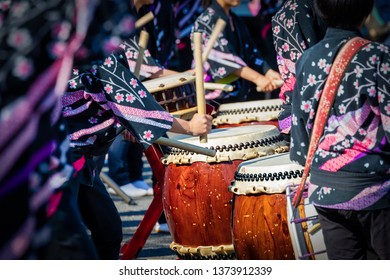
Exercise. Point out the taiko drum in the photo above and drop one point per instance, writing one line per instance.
(260, 225)
(196, 200)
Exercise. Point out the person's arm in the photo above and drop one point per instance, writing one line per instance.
(262, 82)
(162, 73)
(291, 41)
(198, 125)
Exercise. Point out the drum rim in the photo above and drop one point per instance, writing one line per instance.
(267, 179)
(155, 85)
(245, 148)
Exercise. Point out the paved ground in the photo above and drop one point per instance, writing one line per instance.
(157, 245)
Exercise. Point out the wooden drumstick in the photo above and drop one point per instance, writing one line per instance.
(213, 86)
(177, 144)
(111, 183)
(185, 146)
(143, 43)
(144, 20)
(218, 28)
(180, 113)
(200, 97)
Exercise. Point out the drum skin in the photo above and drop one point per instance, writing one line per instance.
(197, 203)
(260, 227)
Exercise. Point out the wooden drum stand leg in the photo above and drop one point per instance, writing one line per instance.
(133, 247)
(153, 154)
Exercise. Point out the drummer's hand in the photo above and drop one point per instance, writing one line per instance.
(275, 78)
(200, 124)
(128, 136)
(193, 71)
(264, 84)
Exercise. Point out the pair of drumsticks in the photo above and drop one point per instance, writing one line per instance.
(143, 41)
(199, 61)
(198, 57)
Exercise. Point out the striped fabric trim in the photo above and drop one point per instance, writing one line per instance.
(126, 112)
(24, 172)
(72, 97)
(70, 112)
(92, 130)
(17, 146)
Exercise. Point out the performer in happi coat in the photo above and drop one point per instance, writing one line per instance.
(38, 41)
(99, 104)
(349, 180)
(186, 12)
(234, 58)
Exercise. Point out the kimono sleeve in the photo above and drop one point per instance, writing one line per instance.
(295, 28)
(135, 108)
(149, 65)
(250, 52)
(383, 95)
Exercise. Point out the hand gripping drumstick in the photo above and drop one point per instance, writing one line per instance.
(144, 20)
(277, 83)
(218, 28)
(200, 98)
(143, 43)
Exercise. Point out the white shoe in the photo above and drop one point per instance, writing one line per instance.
(130, 190)
(141, 184)
(133, 191)
(161, 228)
(111, 191)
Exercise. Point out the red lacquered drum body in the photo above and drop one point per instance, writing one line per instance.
(248, 113)
(260, 225)
(196, 200)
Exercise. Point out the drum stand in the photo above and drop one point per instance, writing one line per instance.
(133, 247)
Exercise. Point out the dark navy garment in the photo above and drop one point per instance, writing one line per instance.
(233, 50)
(296, 27)
(351, 166)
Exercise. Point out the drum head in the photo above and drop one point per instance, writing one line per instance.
(243, 142)
(251, 111)
(270, 174)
